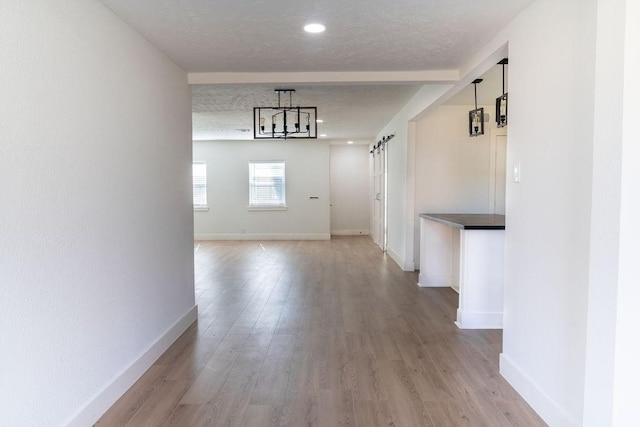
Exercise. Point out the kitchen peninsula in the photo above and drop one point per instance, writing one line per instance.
(466, 252)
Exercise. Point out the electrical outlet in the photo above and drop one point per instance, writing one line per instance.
(517, 172)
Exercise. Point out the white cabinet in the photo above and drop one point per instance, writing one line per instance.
(466, 252)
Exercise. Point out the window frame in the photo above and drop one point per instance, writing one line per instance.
(198, 207)
(252, 205)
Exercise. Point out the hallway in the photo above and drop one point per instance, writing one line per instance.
(327, 333)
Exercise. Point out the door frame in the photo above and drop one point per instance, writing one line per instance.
(493, 151)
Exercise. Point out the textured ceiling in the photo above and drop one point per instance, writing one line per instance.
(488, 90)
(262, 36)
(362, 35)
(347, 111)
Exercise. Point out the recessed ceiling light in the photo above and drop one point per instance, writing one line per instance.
(314, 28)
(319, 121)
(349, 142)
(323, 135)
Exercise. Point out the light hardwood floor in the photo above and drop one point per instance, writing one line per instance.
(328, 333)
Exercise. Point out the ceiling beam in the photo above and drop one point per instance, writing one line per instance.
(328, 77)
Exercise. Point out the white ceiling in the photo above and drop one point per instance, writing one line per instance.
(262, 36)
(488, 90)
(347, 111)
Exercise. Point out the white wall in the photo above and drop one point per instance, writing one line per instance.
(400, 175)
(548, 213)
(612, 371)
(350, 195)
(96, 254)
(452, 170)
(307, 175)
(627, 350)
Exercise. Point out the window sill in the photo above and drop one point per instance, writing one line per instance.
(267, 208)
(201, 208)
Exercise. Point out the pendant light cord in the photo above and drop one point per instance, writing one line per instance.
(475, 94)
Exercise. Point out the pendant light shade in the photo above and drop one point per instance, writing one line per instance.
(476, 116)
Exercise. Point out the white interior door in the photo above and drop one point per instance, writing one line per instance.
(379, 210)
(376, 210)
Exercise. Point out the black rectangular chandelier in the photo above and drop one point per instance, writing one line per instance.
(284, 122)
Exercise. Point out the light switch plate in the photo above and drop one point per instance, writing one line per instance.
(517, 171)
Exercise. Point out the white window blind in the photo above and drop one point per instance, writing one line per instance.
(266, 184)
(199, 184)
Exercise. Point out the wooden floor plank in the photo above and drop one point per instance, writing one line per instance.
(131, 402)
(407, 409)
(321, 333)
(373, 414)
(211, 380)
(159, 407)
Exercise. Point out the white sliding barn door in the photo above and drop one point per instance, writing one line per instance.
(379, 205)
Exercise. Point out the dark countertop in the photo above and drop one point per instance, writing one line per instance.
(468, 221)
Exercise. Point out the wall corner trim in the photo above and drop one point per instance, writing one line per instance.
(121, 383)
(548, 410)
(405, 266)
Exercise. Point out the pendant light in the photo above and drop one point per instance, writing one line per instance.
(501, 101)
(476, 116)
(284, 121)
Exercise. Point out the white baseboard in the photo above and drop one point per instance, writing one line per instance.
(394, 256)
(549, 411)
(405, 266)
(319, 236)
(409, 266)
(112, 392)
(434, 280)
(479, 320)
(349, 232)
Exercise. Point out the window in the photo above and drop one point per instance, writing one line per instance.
(200, 186)
(266, 184)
